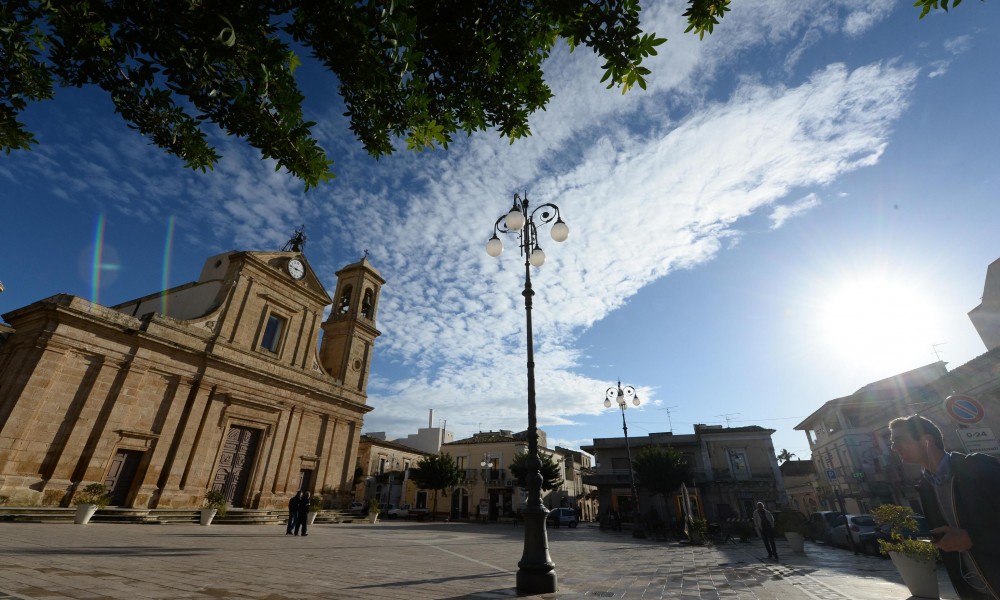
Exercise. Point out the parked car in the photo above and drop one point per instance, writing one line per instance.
(869, 539)
(566, 516)
(820, 524)
(406, 511)
(356, 508)
(852, 525)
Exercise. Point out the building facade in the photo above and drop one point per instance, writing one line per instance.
(220, 384)
(732, 469)
(849, 436)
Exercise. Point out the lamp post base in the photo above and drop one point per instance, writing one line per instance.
(536, 573)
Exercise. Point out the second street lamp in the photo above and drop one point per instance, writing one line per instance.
(621, 396)
(535, 571)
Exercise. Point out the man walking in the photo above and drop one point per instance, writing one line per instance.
(960, 495)
(763, 522)
(293, 512)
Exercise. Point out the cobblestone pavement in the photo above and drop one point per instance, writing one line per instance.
(399, 560)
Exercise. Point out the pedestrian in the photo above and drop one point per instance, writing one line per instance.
(763, 522)
(293, 511)
(302, 514)
(960, 496)
(616, 520)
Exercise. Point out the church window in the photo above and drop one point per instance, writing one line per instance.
(272, 333)
(345, 300)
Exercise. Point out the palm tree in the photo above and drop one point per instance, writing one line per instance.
(785, 455)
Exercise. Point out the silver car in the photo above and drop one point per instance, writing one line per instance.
(853, 525)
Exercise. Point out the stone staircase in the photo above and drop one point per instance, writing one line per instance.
(164, 516)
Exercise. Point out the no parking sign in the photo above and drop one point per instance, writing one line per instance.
(964, 409)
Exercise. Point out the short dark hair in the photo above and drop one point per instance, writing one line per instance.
(916, 426)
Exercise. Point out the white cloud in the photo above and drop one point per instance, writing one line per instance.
(782, 213)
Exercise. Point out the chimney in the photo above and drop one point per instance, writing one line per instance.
(430, 419)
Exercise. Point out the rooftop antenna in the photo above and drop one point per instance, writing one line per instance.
(728, 417)
(934, 347)
(669, 422)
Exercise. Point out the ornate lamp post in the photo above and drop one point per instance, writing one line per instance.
(622, 396)
(535, 571)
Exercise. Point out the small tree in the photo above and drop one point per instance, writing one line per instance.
(437, 472)
(551, 474)
(661, 470)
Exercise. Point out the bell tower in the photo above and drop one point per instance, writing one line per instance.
(349, 333)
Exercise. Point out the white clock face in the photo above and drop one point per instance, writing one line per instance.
(296, 269)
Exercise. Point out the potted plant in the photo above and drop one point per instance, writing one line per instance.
(215, 504)
(697, 528)
(88, 500)
(373, 510)
(794, 525)
(315, 506)
(916, 560)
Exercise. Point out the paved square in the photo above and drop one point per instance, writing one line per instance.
(400, 560)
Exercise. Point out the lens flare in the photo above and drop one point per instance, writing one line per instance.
(168, 250)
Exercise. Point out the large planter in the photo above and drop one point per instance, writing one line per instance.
(207, 514)
(83, 513)
(796, 541)
(312, 517)
(920, 576)
(373, 517)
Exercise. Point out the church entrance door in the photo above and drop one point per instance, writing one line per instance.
(235, 467)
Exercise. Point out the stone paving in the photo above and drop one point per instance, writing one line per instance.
(400, 560)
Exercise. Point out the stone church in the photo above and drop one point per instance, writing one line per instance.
(223, 383)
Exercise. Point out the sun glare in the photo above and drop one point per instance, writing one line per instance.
(878, 322)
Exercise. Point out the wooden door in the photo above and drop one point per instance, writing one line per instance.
(236, 464)
(124, 466)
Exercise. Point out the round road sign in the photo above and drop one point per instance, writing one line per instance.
(964, 409)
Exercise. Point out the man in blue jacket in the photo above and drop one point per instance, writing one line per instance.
(960, 495)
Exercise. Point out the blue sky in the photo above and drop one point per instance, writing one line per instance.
(800, 204)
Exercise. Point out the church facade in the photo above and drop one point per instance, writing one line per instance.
(220, 384)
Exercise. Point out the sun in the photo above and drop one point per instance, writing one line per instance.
(878, 321)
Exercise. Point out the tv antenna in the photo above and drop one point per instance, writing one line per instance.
(728, 417)
(669, 422)
(934, 348)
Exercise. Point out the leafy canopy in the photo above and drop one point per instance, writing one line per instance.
(551, 473)
(435, 472)
(420, 70)
(661, 470)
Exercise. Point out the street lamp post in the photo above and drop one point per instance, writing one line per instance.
(486, 468)
(621, 396)
(535, 571)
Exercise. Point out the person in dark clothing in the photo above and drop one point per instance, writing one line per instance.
(293, 511)
(763, 522)
(960, 496)
(302, 514)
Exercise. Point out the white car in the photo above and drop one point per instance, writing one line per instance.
(855, 525)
